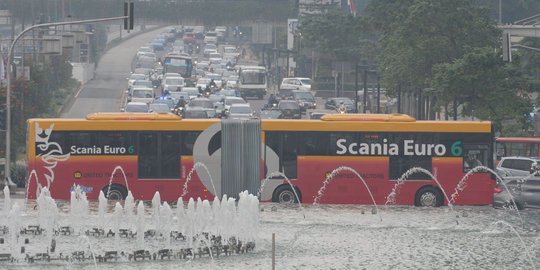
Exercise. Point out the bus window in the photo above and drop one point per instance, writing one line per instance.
(170, 155)
(284, 145)
(148, 155)
(474, 155)
(401, 163)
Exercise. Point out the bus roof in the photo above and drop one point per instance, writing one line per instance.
(347, 122)
(518, 139)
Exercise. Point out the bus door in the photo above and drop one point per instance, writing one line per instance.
(284, 145)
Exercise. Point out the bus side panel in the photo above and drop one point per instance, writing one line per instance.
(478, 187)
(93, 174)
(346, 187)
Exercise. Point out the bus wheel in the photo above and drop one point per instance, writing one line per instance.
(285, 194)
(428, 196)
(117, 192)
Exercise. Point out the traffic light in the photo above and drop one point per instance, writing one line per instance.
(128, 22)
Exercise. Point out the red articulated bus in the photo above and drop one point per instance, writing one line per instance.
(156, 152)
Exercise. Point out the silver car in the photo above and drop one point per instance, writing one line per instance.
(525, 193)
(517, 167)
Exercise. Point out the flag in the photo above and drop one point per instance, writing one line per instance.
(351, 5)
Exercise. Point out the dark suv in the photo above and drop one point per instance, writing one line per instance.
(289, 109)
(305, 99)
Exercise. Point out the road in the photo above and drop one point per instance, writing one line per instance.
(104, 92)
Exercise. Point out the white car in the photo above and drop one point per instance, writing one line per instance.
(134, 77)
(296, 83)
(144, 50)
(145, 95)
(172, 84)
(211, 37)
(240, 111)
(135, 107)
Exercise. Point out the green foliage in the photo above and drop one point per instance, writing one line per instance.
(18, 174)
(489, 88)
(339, 35)
(417, 35)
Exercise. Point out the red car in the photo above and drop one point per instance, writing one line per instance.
(189, 37)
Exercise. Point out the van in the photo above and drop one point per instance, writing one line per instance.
(303, 84)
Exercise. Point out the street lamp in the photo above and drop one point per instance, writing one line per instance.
(8, 79)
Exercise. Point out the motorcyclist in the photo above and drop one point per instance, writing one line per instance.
(212, 84)
(200, 89)
(341, 107)
(272, 100)
(181, 102)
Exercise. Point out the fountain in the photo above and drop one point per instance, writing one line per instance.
(336, 171)
(188, 178)
(280, 174)
(7, 200)
(113, 175)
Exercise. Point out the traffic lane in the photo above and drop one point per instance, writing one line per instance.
(104, 92)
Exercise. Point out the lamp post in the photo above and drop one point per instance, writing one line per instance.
(8, 80)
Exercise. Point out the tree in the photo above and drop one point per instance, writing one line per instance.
(417, 35)
(488, 88)
(339, 35)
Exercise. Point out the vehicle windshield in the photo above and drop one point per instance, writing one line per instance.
(241, 109)
(195, 114)
(136, 108)
(234, 101)
(174, 81)
(143, 83)
(202, 103)
(252, 77)
(142, 93)
(230, 50)
(345, 101)
(228, 92)
(306, 81)
(303, 95)
(137, 77)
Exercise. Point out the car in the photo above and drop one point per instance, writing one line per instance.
(158, 107)
(240, 111)
(144, 50)
(209, 48)
(188, 37)
(290, 109)
(285, 93)
(135, 107)
(229, 100)
(316, 115)
(202, 82)
(142, 83)
(333, 104)
(270, 114)
(517, 167)
(211, 37)
(296, 83)
(204, 103)
(214, 58)
(305, 99)
(194, 112)
(193, 92)
(524, 193)
(145, 95)
(172, 84)
(229, 92)
(135, 76)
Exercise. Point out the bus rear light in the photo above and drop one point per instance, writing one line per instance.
(497, 190)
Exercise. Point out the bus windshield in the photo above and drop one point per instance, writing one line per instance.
(252, 77)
